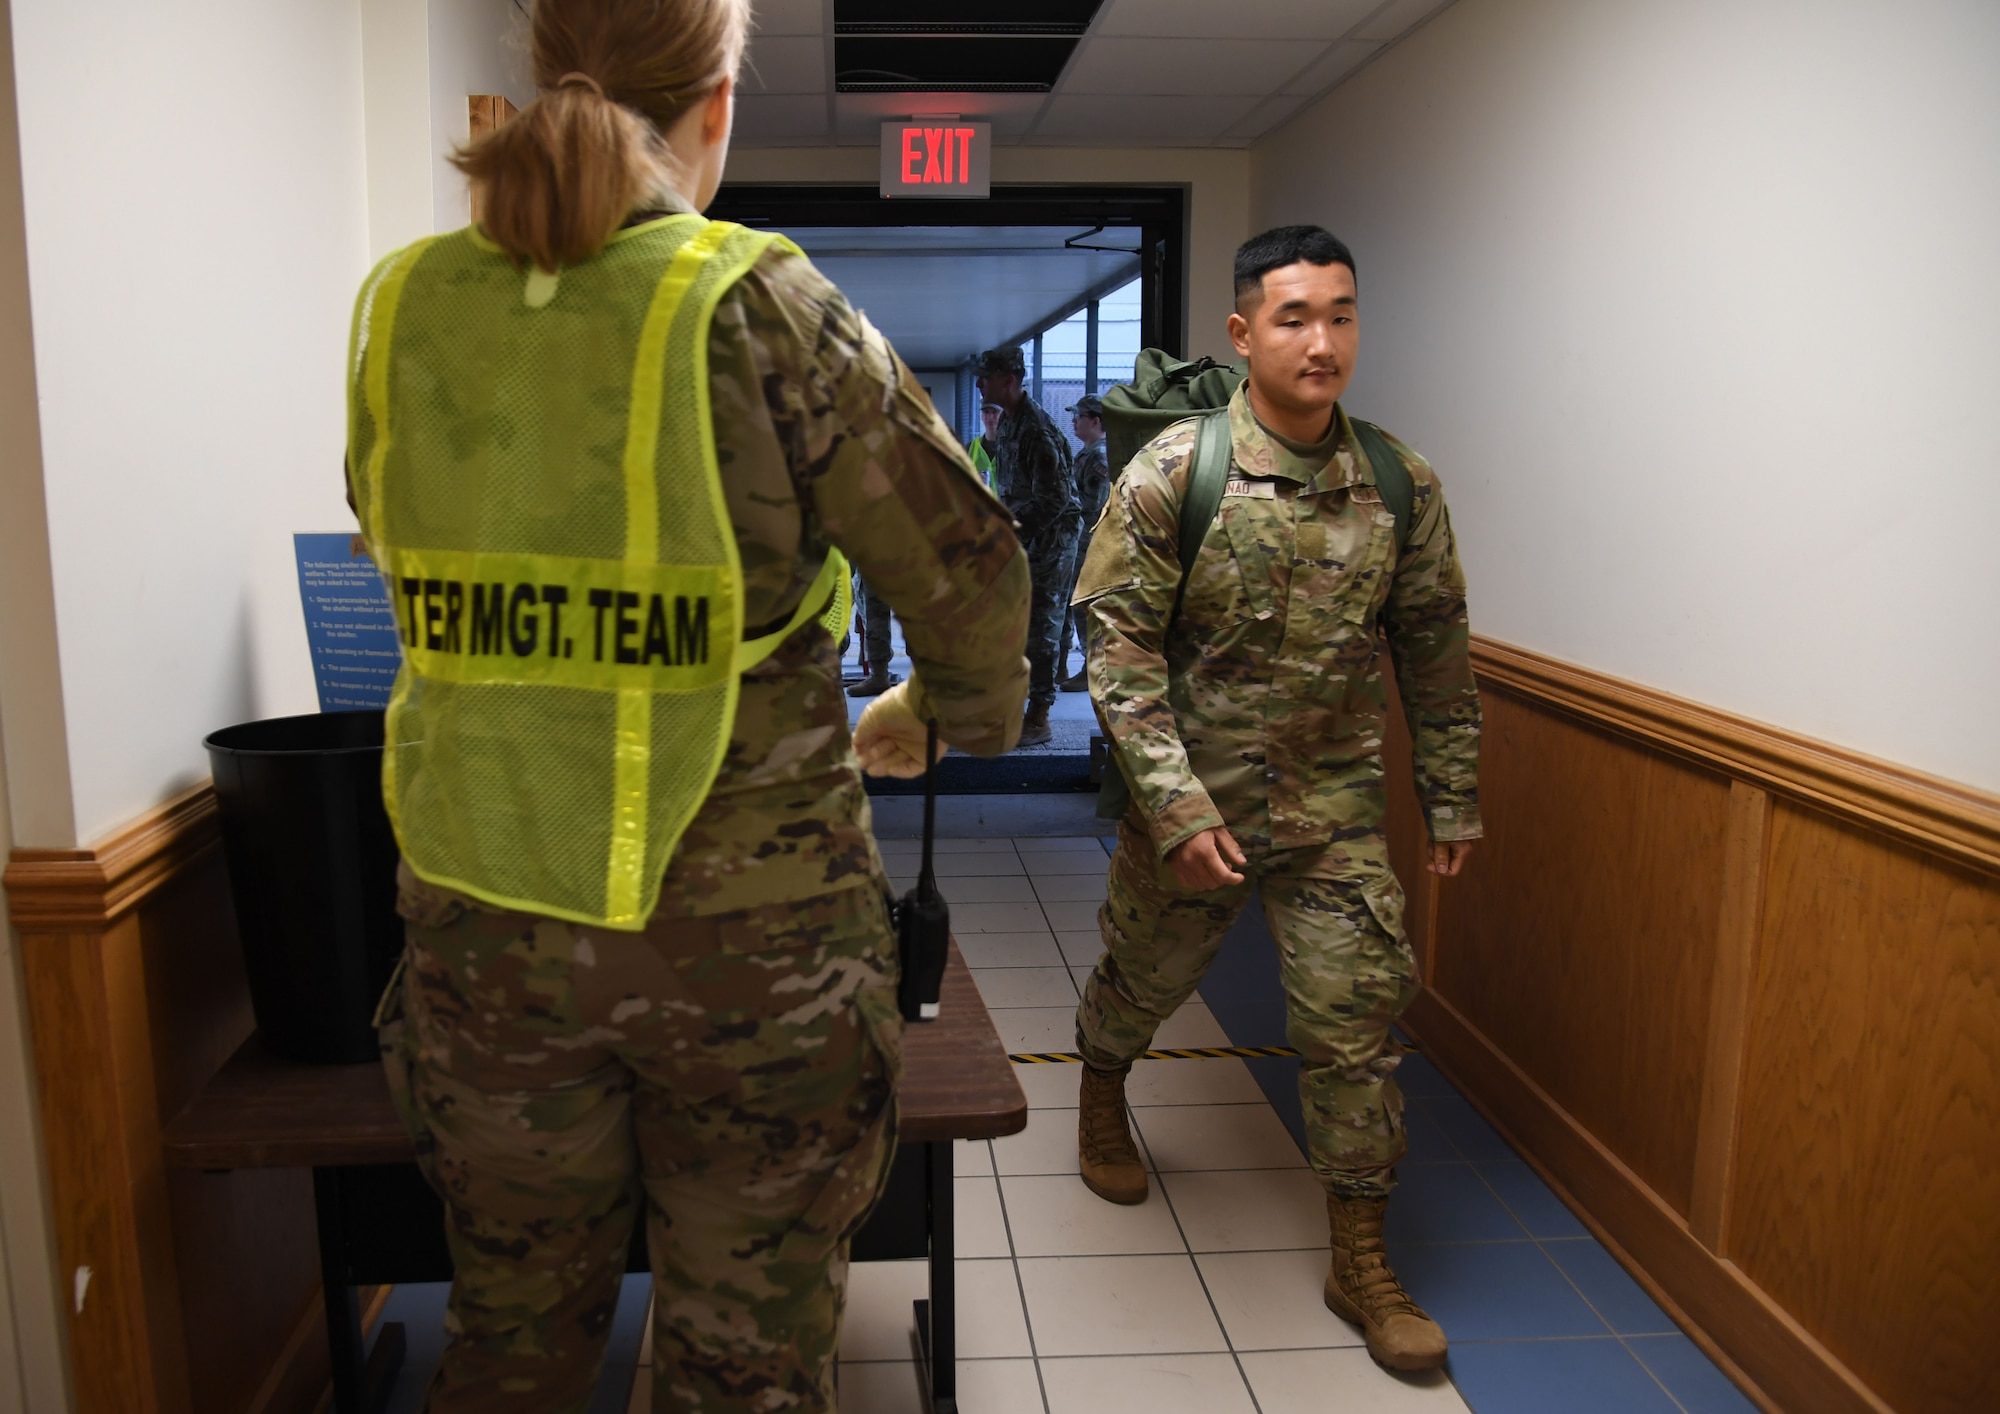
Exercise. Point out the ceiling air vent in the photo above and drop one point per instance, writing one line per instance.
(907, 46)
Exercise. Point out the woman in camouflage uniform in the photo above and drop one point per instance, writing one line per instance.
(727, 1072)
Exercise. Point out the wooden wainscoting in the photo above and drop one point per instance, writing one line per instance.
(1736, 994)
(202, 1289)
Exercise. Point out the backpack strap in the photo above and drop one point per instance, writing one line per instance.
(1392, 478)
(1206, 480)
(1205, 483)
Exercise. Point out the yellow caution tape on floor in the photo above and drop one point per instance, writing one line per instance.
(1185, 1053)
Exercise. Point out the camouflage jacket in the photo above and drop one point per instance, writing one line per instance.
(1032, 469)
(1093, 482)
(1263, 708)
(824, 439)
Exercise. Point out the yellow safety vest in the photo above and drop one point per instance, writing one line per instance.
(536, 476)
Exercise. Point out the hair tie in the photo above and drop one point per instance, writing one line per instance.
(575, 79)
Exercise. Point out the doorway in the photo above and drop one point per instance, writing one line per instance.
(1081, 278)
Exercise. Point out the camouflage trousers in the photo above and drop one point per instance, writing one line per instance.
(1347, 970)
(873, 611)
(731, 1077)
(1051, 562)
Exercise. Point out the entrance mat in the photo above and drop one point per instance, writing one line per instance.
(1018, 774)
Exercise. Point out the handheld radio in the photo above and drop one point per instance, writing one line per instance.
(923, 919)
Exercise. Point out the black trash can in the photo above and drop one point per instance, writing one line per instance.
(312, 865)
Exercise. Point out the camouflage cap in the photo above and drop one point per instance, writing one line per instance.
(1005, 359)
(1090, 405)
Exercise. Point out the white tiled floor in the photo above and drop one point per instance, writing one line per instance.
(1205, 1299)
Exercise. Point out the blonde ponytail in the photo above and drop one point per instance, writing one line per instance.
(556, 181)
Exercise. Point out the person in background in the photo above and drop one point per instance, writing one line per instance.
(980, 448)
(876, 644)
(1250, 729)
(1093, 483)
(1033, 476)
(650, 972)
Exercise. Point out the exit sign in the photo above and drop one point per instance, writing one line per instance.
(937, 157)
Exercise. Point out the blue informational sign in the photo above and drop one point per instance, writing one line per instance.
(350, 627)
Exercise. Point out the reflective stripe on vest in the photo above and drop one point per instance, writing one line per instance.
(538, 481)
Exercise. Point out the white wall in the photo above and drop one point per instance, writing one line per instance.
(476, 46)
(396, 104)
(942, 385)
(1218, 183)
(1694, 306)
(196, 224)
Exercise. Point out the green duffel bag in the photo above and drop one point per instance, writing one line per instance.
(1163, 390)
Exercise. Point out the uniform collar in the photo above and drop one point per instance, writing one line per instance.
(1253, 449)
(1023, 410)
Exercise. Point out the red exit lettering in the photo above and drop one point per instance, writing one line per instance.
(937, 156)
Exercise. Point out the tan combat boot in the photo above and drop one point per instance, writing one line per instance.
(1035, 727)
(1106, 1155)
(1361, 1289)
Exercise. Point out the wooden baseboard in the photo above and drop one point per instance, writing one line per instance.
(1781, 1366)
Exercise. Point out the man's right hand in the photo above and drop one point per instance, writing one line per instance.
(1202, 862)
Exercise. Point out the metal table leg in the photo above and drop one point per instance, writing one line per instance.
(361, 1385)
(937, 1318)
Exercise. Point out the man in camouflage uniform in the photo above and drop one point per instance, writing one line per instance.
(1093, 484)
(1251, 732)
(1032, 473)
(728, 1074)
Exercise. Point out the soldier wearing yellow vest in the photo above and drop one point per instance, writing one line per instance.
(609, 456)
(980, 448)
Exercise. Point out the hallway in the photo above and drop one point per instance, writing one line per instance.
(1205, 1298)
(1649, 287)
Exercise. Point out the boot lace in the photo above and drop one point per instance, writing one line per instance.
(1366, 1277)
(1105, 1136)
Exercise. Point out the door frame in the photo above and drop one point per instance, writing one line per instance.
(1158, 212)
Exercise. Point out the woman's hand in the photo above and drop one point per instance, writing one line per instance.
(889, 739)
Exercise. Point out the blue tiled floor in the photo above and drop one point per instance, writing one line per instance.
(1689, 1375)
(1555, 1377)
(1542, 1319)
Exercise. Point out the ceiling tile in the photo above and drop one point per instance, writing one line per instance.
(1398, 18)
(787, 16)
(1330, 68)
(779, 120)
(1159, 121)
(858, 117)
(1266, 115)
(1190, 67)
(1244, 19)
(784, 66)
